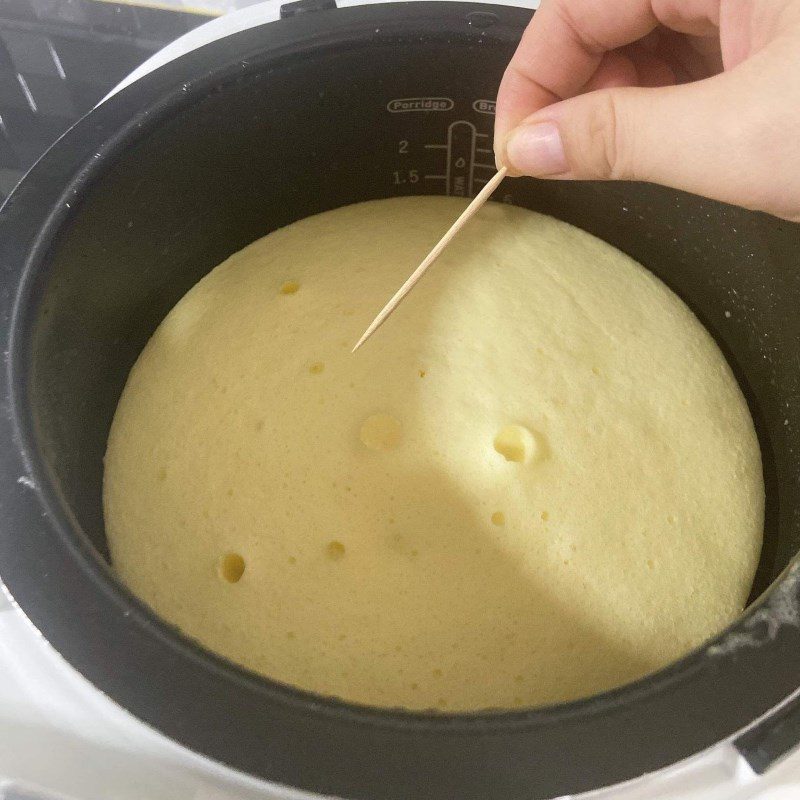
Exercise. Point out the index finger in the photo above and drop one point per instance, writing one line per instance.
(566, 40)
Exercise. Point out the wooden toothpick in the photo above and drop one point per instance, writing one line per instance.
(465, 217)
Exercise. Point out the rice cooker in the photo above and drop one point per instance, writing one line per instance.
(260, 122)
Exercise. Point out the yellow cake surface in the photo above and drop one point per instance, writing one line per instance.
(537, 481)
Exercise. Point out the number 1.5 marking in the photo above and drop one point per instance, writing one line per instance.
(400, 177)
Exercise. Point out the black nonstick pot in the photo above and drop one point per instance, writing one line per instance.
(166, 179)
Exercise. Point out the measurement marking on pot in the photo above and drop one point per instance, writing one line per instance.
(461, 145)
(484, 106)
(411, 104)
(461, 149)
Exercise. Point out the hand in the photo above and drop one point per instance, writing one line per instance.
(701, 95)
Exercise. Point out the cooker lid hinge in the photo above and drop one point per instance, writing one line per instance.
(772, 739)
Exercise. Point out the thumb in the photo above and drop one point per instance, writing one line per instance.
(685, 136)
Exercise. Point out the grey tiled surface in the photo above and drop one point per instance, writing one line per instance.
(58, 58)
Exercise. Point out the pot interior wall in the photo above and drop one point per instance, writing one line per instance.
(236, 158)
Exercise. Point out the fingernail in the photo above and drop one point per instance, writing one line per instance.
(536, 150)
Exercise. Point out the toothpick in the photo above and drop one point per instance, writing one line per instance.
(465, 217)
